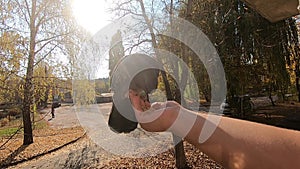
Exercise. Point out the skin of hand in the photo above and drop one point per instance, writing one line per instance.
(235, 144)
(138, 102)
(157, 117)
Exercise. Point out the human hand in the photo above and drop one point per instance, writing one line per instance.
(156, 117)
(139, 100)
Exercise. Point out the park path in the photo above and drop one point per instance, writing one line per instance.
(77, 155)
(66, 116)
(100, 145)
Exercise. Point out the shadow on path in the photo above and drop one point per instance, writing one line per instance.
(11, 157)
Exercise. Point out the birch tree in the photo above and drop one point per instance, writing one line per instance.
(46, 26)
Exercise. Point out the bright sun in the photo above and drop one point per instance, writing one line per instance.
(91, 14)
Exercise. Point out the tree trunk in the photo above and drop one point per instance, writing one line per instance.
(179, 153)
(28, 88)
(179, 149)
(297, 80)
(270, 95)
(298, 88)
(45, 100)
(28, 92)
(294, 38)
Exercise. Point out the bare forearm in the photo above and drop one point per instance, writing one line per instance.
(242, 144)
(235, 144)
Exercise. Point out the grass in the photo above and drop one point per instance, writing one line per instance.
(13, 126)
(6, 132)
(40, 125)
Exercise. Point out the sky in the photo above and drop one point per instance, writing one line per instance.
(93, 15)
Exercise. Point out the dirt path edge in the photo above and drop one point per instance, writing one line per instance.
(44, 153)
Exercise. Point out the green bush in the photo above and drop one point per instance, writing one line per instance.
(157, 96)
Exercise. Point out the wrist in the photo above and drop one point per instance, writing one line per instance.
(183, 123)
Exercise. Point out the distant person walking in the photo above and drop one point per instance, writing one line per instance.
(55, 104)
(53, 110)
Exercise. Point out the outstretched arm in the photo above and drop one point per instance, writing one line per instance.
(243, 144)
(236, 144)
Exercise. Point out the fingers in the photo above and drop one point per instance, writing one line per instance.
(158, 105)
(172, 104)
(145, 105)
(135, 100)
(138, 101)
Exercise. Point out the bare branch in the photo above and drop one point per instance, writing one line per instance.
(124, 3)
(149, 25)
(53, 37)
(128, 11)
(42, 7)
(41, 48)
(137, 44)
(45, 55)
(28, 10)
(43, 20)
(24, 14)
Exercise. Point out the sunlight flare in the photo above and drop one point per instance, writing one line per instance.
(91, 14)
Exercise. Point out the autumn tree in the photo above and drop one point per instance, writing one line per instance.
(85, 72)
(254, 51)
(251, 48)
(102, 86)
(11, 54)
(43, 82)
(45, 26)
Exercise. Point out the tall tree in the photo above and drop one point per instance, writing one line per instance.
(43, 81)
(10, 60)
(147, 33)
(250, 46)
(45, 26)
(292, 52)
(116, 51)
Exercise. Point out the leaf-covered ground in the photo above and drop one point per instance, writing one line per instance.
(45, 140)
(85, 154)
(195, 159)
